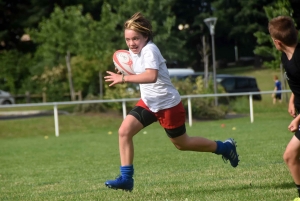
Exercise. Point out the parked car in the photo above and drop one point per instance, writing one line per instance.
(232, 83)
(238, 84)
(6, 98)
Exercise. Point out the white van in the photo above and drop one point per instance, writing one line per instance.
(178, 72)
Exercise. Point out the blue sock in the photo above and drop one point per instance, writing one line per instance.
(127, 171)
(221, 148)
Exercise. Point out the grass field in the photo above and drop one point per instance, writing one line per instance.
(75, 165)
(36, 165)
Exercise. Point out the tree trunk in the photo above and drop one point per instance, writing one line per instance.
(205, 60)
(100, 84)
(70, 76)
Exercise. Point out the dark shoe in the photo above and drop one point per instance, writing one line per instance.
(120, 183)
(231, 153)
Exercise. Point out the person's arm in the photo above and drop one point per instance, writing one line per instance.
(273, 94)
(294, 125)
(149, 76)
(291, 108)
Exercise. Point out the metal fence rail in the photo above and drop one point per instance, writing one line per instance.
(124, 100)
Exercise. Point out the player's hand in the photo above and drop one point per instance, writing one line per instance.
(294, 125)
(113, 78)
(117, 70)
(292, 110)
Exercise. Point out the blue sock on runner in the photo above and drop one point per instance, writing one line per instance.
(127, 171)
(221, 148)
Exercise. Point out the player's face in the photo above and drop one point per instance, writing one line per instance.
(135, 40)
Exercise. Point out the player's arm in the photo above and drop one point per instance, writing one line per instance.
(294, 125)
(291, 108)
(149, 76)
(273, 94)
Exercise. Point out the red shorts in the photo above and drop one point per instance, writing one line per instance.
(170, 118)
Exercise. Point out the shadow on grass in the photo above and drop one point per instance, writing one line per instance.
(285, 185)
(250, 186)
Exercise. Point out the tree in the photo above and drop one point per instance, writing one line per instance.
(14, 67)
(204, 51)
(265, 45)
(66, 33)
(237, 21)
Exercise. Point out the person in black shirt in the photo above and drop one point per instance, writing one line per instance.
(285, 38)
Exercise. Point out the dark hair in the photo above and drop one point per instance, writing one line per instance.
(282, 28)
(139, 24)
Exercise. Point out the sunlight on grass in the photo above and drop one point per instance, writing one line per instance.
(36, 165)
(75, 165)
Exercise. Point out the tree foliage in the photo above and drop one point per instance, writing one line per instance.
(69, 30)
(13, 70)
(92, 30)
(93, 42)
(265, 46)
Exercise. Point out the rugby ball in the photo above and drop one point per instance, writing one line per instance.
(123, 62)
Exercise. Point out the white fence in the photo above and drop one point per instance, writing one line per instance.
(123, 101)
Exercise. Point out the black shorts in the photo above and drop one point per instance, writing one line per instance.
(146, 117)
(278, 96)
(297, 133)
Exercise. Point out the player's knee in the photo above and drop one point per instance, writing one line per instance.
(123, 132)
(289, 158)
(285, 157)
(180, 147)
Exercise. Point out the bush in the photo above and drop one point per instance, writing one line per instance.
(239, 104)
(120, 91)
(90, 107)
(202, 108)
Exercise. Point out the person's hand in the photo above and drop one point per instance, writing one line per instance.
(117, 70)
(113, 78)
(292, 110)
(294, 125)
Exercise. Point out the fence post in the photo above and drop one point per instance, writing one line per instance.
(56, 120)
(79, 95)
(190, 111)
(124, 108)
(27, 94)
(44, 97)
(251, 108)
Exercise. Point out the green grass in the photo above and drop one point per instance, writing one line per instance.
(75, 165)
(36, 165)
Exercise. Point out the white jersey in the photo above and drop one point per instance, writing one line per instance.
(161, 94)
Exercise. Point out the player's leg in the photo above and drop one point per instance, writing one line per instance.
(279, 98)
(291, 157)
(187, 143)
(137, 119)
(184, 142)
(129, 127)
(173, 120)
